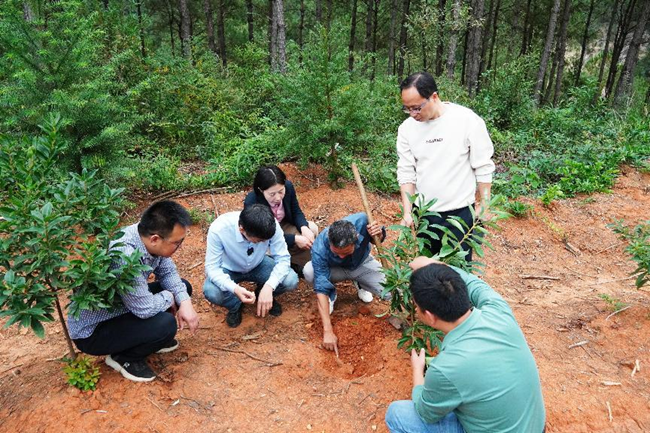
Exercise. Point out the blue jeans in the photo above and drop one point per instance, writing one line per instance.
(401, 417)
(258, 275)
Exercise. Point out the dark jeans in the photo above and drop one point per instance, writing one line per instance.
(131, 337)
(435, 245)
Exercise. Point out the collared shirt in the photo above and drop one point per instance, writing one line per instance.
(323, 259)
(485, 372)
(228, 249)
(141, 302)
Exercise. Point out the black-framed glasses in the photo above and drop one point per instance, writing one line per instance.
(409, 110)
(177, 244)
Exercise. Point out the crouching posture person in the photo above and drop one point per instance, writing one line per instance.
(342, 252)
(145, 322)
(484, 379)
(236, 252)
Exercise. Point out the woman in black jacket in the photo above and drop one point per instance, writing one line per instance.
(271, 188)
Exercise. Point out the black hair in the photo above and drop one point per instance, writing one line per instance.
(258, 221)
(423, 83)
(342, 233)
(440, 290)
(161, 217)
(266, 177)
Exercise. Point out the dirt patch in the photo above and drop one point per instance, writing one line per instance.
(271, 375)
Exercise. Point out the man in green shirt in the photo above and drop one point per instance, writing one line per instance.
(484, 379)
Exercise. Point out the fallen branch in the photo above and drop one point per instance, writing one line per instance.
(11, 368)
(617, 311)
(578, 344)
(155, 404)
(573, 250)
(538, 277)
(610, 383)
(615, 280)
(609, 411)
(637, 367)
(608, 248)
(214, 205)
(267, 362)
(195, 265)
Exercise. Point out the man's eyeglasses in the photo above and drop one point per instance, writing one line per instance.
(177, 244)
(409, 110)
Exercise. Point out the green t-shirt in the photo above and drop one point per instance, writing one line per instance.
(485, 373)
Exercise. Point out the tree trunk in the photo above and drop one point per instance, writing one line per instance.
(374, 40)
(440, 50)
(273, 36)
(603, 61)
(353, 31)
(319, 11)
(619, 43)
(209, 26)
(543, 64)
(221, 31)
(249, 18)
(474, 46)
(59, 310)
(464, 67)
(281, 37)
(143, 50)
(186, 43)
(453, 40)
(391, 39)
(525, 41)
(28, 15)
(171, 28)
(561, 49)
(495, 27)
(368, 40)
(626, 79)
(485, 41)
(583, 48)
(402, 38)
(301, 29)
(328, 22)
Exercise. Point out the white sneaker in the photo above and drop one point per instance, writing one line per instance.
(364, 295)
(332, 301)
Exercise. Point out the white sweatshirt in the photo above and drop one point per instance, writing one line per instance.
(445, 157)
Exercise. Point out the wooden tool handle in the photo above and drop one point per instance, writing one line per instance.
(366, 206)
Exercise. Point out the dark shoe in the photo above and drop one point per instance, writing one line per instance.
(233, 319)
(169, 347)
(298, 270)
(276, 309)
(137, 371)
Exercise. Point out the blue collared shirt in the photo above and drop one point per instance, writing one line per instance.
(322, 257)
(228, 249)
(141, 302)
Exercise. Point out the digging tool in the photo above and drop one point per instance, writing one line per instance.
(366, 206)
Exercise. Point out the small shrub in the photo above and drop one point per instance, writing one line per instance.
(614, 304)
(638, 240)
(518, 209)
(82, 373)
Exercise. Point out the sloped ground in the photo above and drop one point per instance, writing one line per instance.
(270, 375)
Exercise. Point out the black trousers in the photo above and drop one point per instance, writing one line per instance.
(436, 244)
(131, 337)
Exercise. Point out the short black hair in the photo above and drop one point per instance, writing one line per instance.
(258, 221)
(268, 176)
(440, 290)
(342, 233)
(423, 83)
(161, 217)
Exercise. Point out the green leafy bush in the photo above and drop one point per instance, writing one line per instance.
(638, 240)
(55, 232)
(82, 373)
(408, 246)
(518, 209)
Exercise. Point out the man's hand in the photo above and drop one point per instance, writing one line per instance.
(422, 261)
(374, 229)
(265, 300)
(244, 295)
(303, 242)
(187, 316)
(407, 220)
(330, 341)
(418, 361)
(306, 232)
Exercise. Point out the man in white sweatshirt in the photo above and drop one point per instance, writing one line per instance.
(445, 152)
